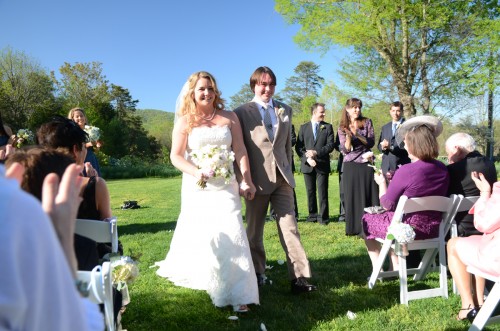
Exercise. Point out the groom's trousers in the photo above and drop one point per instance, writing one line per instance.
(256, 211)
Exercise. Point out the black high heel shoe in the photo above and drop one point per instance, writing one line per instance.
(470, 315)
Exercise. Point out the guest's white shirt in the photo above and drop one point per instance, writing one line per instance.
(37, 290)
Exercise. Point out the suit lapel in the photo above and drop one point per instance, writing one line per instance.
(278, 118)
(255, 113)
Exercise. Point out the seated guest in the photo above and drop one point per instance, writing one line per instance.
(480, 251)
(424, 176)
(38, 164)
(37, 281)
(61, 132)
(463, 159)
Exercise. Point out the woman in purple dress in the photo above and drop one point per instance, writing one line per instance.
(356, 137)
(425, 176)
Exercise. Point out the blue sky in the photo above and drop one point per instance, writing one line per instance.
(150, 47)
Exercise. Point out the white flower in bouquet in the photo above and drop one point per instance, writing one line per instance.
(93, 132)
(401, 232)
(214, 161)
(124, 271)
(24, 137)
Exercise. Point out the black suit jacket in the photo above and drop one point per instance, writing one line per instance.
(461, 183)
(323, 145)
(395, 155)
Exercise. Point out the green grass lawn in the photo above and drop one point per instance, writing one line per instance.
(339, 263)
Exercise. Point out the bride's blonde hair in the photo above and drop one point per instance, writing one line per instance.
(186, 105)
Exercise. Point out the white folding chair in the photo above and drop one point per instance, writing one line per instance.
(100, 285)
(483, 317)
(465, 205)
(99, 231)
(448, 206)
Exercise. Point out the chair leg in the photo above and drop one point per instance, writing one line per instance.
(380, 262)
(443, 276)
(429, 256)
(403, 280)
(487, 309)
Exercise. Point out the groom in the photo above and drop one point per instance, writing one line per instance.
(266, 126)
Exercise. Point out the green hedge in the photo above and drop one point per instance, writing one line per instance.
(139, 171)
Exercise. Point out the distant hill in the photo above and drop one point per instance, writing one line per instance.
(158, 123)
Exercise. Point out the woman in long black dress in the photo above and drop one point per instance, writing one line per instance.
(356, 137)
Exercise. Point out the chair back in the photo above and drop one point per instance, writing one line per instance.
(466, 203)
(447, 205)
(99, 231)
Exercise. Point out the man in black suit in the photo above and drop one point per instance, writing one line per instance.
(394, 155)
(463, 159)
(314, 144)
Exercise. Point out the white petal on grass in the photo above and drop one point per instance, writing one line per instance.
(269, 267)
(233, 318)
(262, 327)
(351, 315)
(281, 262)
(270, 282)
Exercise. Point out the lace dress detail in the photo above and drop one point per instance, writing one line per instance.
(209, 250)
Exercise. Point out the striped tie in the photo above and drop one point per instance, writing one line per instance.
(268, 123)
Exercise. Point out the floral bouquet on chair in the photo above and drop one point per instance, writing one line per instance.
(404, 234)
(214, 161)
(124, 271)
(23, 137)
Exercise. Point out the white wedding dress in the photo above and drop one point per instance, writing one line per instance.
(209, 250)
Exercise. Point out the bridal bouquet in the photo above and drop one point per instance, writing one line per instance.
(93, 132)
(124, 271)
(23, 137)
(214, 161)
(404, 234)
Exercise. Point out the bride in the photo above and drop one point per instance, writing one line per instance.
(209, 250)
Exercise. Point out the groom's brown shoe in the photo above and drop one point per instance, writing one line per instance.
(300, 285)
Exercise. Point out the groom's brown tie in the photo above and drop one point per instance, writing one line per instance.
(268, 123)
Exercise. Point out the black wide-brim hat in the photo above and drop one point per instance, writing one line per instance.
(432, 122)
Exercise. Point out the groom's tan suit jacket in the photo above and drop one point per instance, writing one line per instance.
(266, 157)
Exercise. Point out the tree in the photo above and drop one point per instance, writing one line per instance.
(244, 95)
(416, 44)
(25, 89)
(83, 85)
(305, 83)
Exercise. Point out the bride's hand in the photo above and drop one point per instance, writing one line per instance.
(247, 190)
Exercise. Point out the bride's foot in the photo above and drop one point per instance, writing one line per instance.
(241, 308)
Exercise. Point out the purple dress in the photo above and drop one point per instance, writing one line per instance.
(417, 179)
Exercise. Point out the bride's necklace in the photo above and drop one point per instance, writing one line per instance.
(209, 118)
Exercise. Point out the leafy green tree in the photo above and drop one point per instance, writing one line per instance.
(26, 90)
(84, 85)
(413, 47)
(305, 83)
(243, 96)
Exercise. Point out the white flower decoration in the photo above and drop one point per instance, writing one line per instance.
(280, 111)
